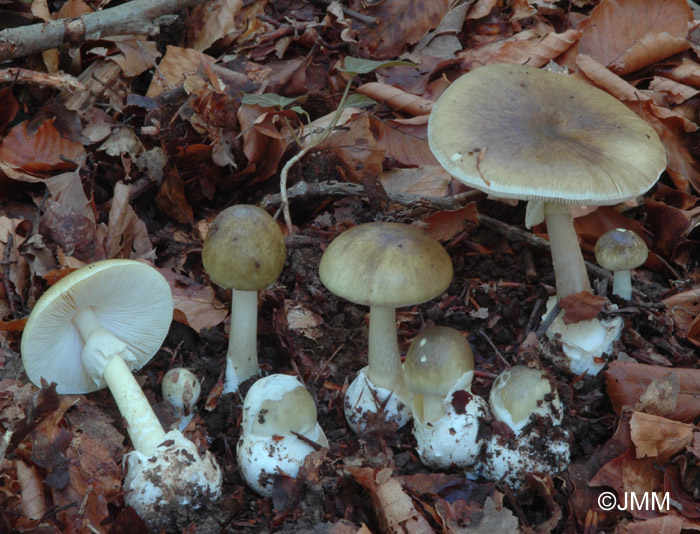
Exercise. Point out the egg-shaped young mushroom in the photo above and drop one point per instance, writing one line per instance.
(621, 250)
(91, 329)
(244, 251)
(553, 141)
(384, 266)
(524, 399)
(181, 389)
(278, 425)
(447, 417)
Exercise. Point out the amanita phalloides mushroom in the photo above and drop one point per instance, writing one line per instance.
(447, 417)
(279, 421)
(520, 132)
(621, 250)
(524, 399)
(244, 251)
(181, 388)
(384, 266)
(91, 329)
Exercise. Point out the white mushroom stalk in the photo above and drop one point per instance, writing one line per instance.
(278, 425)
(524, 399)
(93, 328)
(244, 251)
(383, 266)
(553, 141)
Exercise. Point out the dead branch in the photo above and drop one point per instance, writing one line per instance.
(332, 188)
(135, 17)
(65, 82)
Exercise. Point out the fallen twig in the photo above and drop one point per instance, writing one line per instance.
(135, 17)
(42, 79)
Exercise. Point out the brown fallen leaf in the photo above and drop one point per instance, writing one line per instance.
(675, 92)
(426, 181)
(582, 306)
(658, 437)
(175, 66)
(33, 501)
(396, 98)
(627, 383)
(444, 225)
(536, 51)
(405, 140)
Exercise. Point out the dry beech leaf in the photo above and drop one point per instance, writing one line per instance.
(481, 9)
(683, 309)
(263, 142)
(127, 236)
(173, 69)
(171, 198)
(628, 382)
(675, 92)
(630, 34)
(195, 304)
(688, 72)
(31, 152)
(405, 140)
(137, 56)
(213, 21)
(426, 181)
(582, 306)
(444, 225)
(401, 23)
(33, 503)
(394, 507)
(657, 437)
(303, 320)
(396, 98)
(536, 52)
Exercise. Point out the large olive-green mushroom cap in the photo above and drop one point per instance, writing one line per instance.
(386, 265)
(521, 132)
(244, 249)
(132, 300)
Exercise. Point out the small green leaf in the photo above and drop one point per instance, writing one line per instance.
(358, 65)
(356, 100)
(267, 100)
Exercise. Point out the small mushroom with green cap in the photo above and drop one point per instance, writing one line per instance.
(384, 266)
(553, 141)
(447, 417)
(278, 427)
(621, 250)
(244, 251)
(523, 399)
(181, 389)
(92, 329)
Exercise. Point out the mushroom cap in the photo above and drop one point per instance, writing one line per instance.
(244, 249)
(521, 132)
(520, 392)
(620, 250)
(278, 404)
(131, 299)
(386, 264)
(436, 359)
(181, 388)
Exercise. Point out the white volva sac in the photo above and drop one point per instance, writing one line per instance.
(275, 409)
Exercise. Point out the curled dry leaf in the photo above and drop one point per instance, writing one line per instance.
(675, 92)
(33, 503)
(28, 153)
(426, 181)
(264, 140)
(444, 225)
(136, 56)
(684, 310)
(628, 35)
(212, 21)
(396, 98)
(127, 236)
(405, 140)
(657, 437)
(176, 65)
(688, 72)
(651, 387)
(400, 23)
(302, 319)
(536, 51)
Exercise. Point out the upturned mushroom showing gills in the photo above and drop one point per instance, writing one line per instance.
(278, 427)
(244, 251)
(447, 417)
(621, 250)
(524, 399)
(384, 266)
(553, 141)
(91, 329)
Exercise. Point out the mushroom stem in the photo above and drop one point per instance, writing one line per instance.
(145, 430)
(242, 355)
(383, 353)
(433, 408)
(106, 356)
(622, 284)
(569, 269)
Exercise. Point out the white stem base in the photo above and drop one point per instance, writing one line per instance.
(363, 397)
(242, 355)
